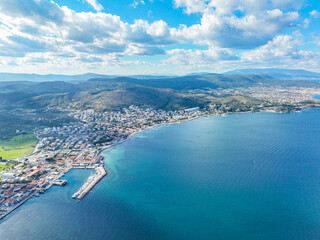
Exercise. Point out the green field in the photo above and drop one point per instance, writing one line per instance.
(3, 166)
(17, 146)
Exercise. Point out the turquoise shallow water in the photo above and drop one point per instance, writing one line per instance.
(245, 176)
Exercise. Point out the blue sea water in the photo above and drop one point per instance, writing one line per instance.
(244, 176)
(317, 97)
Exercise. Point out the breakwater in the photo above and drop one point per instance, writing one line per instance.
(90, 183)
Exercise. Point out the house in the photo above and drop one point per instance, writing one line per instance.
(9, 202)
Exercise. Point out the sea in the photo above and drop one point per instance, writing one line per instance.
(252, 176)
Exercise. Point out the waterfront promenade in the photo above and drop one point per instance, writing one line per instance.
(10, 210)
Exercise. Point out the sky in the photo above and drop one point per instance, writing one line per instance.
(159, 37)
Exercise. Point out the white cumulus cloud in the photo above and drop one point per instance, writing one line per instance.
(283, 51)
(42, 32)
(200, 57)
(315, 14)
(192, 6)
(94, 3)
(240, 24)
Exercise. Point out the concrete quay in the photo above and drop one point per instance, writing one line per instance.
(90, 183)
(10, 210)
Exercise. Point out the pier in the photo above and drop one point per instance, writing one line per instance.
(90, 183)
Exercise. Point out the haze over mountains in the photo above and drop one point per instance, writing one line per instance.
(103, 93)
(272, 72)
(296, 74)
(6, 77)
(27, 99)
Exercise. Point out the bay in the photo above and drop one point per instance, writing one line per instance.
(244, 176)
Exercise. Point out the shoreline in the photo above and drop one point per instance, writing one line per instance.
(17, 206)
(83, 191)
(179, 122)
(103, 164)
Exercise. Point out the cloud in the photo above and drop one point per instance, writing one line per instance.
(239, 24)
(144, 51)
(98, 7)
(280, 48)
(314, 14)
(90, 59)
(35, 29)
(104, 47)
(135, 3)
(200, 57)
(223, 7)
(282, 51)
(156, 33)
(85, 32)
(191, 6)
(37, 11)
(316, 40)
(90, 27)
(18, 46)
(93, 32)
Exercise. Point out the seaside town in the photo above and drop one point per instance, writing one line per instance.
(282, 95)
(296, 96)
(78, 145)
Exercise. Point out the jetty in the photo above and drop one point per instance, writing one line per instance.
(90, 183)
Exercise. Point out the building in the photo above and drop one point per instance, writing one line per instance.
(192, 109)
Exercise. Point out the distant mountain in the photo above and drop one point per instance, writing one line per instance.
(291, 74)
(49, 77)
(112, 93)
(288, 74)
(9, 77)
(151, 76)
(120, 91)
(207, 80)
(200, 73)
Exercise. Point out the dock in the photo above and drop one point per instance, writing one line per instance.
(90, 183)
(59, 182)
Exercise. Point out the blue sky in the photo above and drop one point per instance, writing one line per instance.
(157, 36)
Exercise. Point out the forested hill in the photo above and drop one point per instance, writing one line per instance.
(110, 93)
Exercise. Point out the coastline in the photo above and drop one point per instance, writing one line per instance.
(147, 165)
(17, 206)
(104, 164)
(178, 122)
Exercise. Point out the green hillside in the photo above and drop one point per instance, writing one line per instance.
(17, 146)
(110, 93)
(27, 105)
